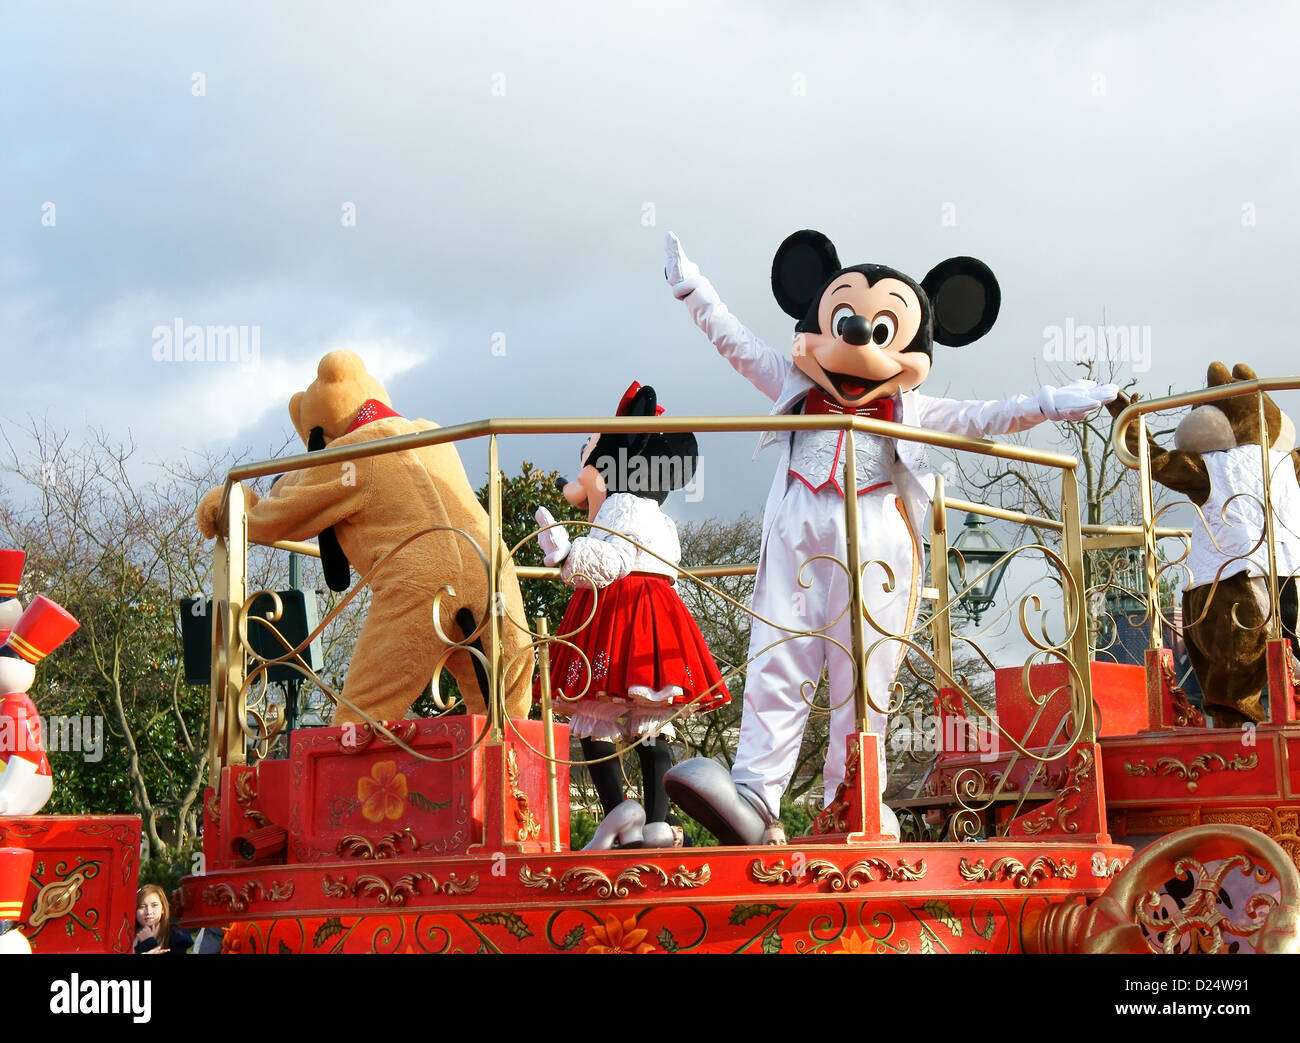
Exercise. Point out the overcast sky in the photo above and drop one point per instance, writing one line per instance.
(513, 168)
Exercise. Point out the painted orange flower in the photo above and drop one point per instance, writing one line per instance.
(383, 792)
(618, 939)
(853, 944)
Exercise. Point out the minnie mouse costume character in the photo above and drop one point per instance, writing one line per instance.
(863, 344)
(634, 658)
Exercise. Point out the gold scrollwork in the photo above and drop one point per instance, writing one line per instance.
(1201, 922)
(237, 901)
(387, 846)
(245, 793)
(1080, 770)
(1191, 771)
(396, 892)
(820, 871)
(1009, 868)
(642, 875)
(529, 827)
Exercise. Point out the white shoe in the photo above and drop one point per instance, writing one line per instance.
(624, 827)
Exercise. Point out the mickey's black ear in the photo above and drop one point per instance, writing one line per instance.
(964, 300)
(800, 269)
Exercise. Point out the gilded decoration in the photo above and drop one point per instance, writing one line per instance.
(529, 827)
(245, 788)
(1041, 868)
(1080, 771)
(586, 878)
(387, 846)
(237, 901)
(396, 892)
(820, 871)
(1191, 771)
(1201, 925)
(55, 899)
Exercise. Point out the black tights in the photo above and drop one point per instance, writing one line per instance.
(608, 776)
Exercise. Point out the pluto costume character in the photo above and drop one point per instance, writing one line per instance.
(372, 506)
(1217, 465)
(863, 344)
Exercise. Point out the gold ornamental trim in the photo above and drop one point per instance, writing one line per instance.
(588, 878)
(1103, 869)
(55, 899)
(245, 793)
(529, 827)
(1079, 771)
(820, 871)
(1008, 868)
(388, 846)
(396, 892)
(237, 901)
(1191, 771)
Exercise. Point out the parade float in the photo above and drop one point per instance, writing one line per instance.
(451, 833)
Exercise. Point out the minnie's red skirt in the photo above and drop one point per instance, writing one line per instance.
(642, 653)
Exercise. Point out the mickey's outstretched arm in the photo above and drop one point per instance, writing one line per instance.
(761, 365)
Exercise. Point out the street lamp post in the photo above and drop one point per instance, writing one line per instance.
(977, 552)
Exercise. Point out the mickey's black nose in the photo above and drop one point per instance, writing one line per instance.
(560, 483)
(856, 330)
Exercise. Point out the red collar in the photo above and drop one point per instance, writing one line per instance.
(371, 410)
(819, 402)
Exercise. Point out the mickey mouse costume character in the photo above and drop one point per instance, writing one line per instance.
(863, 344)
(635, 658)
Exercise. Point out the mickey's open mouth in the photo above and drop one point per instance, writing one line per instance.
(849, 386)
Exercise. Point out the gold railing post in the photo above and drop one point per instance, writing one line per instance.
(548, 731)
(226, 745)
(941, 617)
(495, 697)
(1076, 608)
(1270, 534)
(853, 559)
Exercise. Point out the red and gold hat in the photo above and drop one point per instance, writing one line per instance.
(11, 572)
(41, 629)
(15, 868)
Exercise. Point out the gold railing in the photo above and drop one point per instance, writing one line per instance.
(930, 639)
(1161, 574)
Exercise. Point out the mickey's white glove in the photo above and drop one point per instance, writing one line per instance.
(1075, 401)
(553, 539)
(750, 357)
(682, 273)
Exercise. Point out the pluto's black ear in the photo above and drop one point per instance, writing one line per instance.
(801, 267)
(964, 300)
(333, 561)
(643, 403)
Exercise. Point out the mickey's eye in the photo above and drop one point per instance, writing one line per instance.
(883, 329)
(840, 316)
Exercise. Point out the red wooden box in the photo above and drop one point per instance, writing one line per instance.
(347, 792)
(1118, 690)
(81, 898)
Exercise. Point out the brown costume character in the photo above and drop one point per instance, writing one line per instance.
(372, 505)
(1217, 465)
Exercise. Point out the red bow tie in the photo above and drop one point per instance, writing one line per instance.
(820, 402)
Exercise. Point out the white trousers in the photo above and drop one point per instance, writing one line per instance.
(781, 681)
